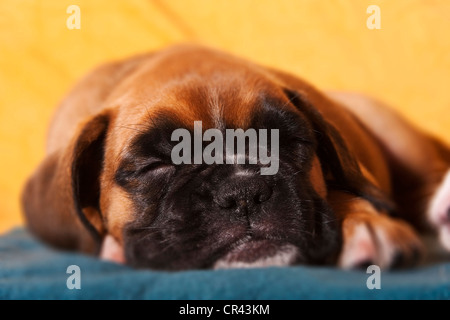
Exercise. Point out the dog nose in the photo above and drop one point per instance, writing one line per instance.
(242, 192)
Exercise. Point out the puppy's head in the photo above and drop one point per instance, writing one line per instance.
(167, 215)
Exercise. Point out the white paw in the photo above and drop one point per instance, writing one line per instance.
(380, 240)
(439, 211)
(111, 250)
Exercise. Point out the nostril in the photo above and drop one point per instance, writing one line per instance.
(226, 203)
(448, 214)
(242, 193)
(260, 198)
(264, 195)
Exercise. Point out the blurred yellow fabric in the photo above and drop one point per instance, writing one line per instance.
(406, 62)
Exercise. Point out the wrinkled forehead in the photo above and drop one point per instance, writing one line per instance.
(213, 98)
(217, 102)
(221, 103)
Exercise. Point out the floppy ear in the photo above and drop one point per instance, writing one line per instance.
(339, 166)
(61, 200)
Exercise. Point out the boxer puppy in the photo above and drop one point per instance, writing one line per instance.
(354, 183)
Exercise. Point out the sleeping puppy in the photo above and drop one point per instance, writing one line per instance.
(349, 183)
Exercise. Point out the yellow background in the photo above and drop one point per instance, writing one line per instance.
(406, 62)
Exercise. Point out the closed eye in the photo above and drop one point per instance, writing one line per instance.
(156, 166)
(132, 170)
(303, 141)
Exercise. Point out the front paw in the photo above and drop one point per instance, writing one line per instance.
(377, 239)
(439, 211)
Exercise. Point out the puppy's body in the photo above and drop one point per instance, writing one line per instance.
(343, 171)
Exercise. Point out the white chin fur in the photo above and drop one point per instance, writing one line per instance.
(284, 257)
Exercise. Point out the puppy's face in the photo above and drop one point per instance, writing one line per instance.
(184, 216)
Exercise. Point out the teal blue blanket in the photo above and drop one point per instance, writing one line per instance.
(30, 270)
